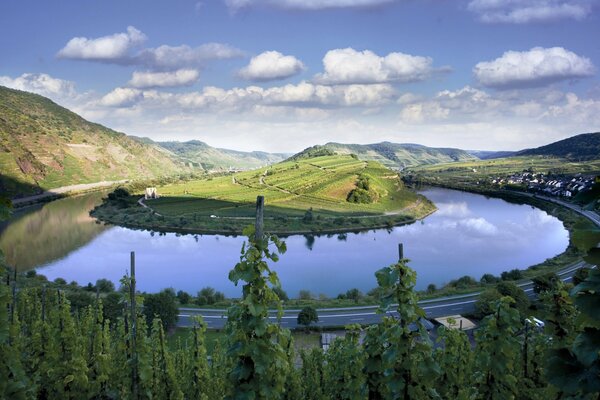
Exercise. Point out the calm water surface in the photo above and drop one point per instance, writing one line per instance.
(468, 235)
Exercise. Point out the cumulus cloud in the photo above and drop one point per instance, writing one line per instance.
(524, 11)
(348, 66)
(536, 67)
(182, 77)
(174, 57)
(42, 84)
(105, 48)
(121, 97)
(235, 5)
(270, 66)
(125, 49)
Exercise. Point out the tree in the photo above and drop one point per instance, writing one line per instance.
(354, 294)
(545, 282)
(305, 295)
(281, 293)
(580, 275)
(306, 316)
(184, 297)
(485, 303)
(517, 294)
(431, 288)
(161, 305)
(512, 275)
(486, 279)
(308, 216)
(105, 286)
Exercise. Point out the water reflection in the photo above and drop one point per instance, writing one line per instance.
(48, 234)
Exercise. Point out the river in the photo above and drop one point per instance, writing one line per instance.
(468, 235)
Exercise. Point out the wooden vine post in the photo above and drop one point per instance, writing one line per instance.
(400, 252)
(259, 225)
(134, 366)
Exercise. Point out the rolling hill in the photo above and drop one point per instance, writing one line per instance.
(44, 146)
(212, 158)
(392, 155)
(576, 148)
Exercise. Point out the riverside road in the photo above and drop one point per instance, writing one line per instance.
(365, 315)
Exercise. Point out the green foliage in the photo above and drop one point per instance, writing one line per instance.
(407, 359)
(488, 279)
(184, 297)
(209, 295)
(162, 305)
(313, 374)
(512, 275)
(498, 351)
(307, 316)
(455, 359)
(576, 368)
(254, 343)
(521, 301)
(545, 282)
(105, 286)
(344, 367)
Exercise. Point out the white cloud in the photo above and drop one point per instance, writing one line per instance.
(235, 5)
(525, 11)
(105, 48)
(42, 84)
(175, 57)
(536, 67)
(121, 97)
(270, 66)
(348, 66)
(182, 77)
(120, 48)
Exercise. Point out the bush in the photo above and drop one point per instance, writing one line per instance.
(307, 316)
(545, 283)
(463, 282)
(487, 279)
(281, 293)
(209, 296)
(305, 295)
(431, 288)
(512, 275)
(485, 303)
(354, 294)
(184, 297)
(521, 300)
(60, 281)
(162, 305)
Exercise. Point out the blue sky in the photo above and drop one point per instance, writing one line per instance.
(287, 74)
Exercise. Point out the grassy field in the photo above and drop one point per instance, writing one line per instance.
(304, 196)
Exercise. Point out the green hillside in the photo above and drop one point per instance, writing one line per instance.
(577, 148)
(44, 146)
(211, 158)
(328, 193)
(392, 155)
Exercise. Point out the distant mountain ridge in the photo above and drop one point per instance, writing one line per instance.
(392, 155)
(585, 146)
(211, 158)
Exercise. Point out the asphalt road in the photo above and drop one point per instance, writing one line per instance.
(332, 317)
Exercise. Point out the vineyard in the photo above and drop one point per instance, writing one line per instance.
(319, 186)
(51, 350)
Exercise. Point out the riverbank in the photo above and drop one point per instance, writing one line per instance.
(145, 218)
(64, 191)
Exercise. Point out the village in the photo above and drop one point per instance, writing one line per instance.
(549, 185)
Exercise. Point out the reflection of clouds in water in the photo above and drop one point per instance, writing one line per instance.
(478, 226)
(538, 218)
(453, 210)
